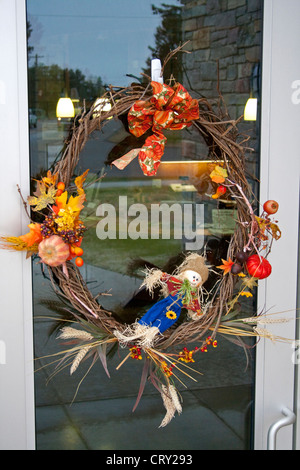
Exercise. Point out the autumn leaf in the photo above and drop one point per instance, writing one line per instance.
(68, 211)
(250, 282)
(76, 203)
(50, 180)
(266, 225)
(42, 197)
(219, 174)
(276, 232)
(262, 224)
(79, 181)
(61, 201)
(33, 236)
(226, 266)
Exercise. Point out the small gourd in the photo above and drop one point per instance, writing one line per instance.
(53, 251)
(258, 267)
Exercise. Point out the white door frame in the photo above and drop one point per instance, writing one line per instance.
(280, 163)
(275, 370)
(16, 338)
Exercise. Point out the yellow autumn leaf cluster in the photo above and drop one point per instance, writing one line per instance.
(68, 210)
(218, 175)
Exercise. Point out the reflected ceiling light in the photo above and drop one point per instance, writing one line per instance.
(101, 105)
(250, 111)
(65, 108)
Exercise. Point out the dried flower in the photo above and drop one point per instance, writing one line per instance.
(246, 294)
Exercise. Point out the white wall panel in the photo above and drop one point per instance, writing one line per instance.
(16, 362)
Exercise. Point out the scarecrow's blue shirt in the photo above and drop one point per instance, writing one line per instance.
(166, 312)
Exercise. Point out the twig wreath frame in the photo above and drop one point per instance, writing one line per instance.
(97, 326)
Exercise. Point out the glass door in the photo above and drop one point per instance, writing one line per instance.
(77, 51)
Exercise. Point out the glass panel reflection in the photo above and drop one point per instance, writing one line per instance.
(76, 51)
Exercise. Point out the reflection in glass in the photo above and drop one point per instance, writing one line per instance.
(77, 50)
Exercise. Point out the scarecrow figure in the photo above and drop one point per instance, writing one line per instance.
(179, 290)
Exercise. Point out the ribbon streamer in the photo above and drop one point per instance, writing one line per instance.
(170, 108)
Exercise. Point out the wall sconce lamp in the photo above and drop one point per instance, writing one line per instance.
(250, 110)
(65, 108)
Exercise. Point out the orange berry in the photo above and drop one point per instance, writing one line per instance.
(79, 262)
(61, 186)
(72, 249)
(59, 192)
(78, 251)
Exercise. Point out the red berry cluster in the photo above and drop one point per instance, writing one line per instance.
(208, 341)
(135, 352)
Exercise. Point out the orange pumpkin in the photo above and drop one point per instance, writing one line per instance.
(258, 267)
(53, 251)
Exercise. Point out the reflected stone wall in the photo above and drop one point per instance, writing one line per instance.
(225, 38)
(224, 34)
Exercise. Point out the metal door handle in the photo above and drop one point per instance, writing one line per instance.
(289, 418)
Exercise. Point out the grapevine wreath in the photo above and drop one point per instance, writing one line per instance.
(56, 232)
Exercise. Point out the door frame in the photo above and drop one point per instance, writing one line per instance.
(279, 176)
(275, 369)
(17, 427)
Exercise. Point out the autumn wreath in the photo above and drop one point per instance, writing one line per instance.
(56, 232)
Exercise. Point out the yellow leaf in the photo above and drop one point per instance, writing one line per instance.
(79, 182)
(42, 197)
(250, 282)
(61, 201)
(76, 203)
(276, 232)
(50, 180)
(219, 174)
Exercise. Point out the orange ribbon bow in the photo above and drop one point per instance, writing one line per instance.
(169, 108)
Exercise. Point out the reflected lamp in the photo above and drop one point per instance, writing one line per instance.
(100, 105)
(250, 111)
(65, 108)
